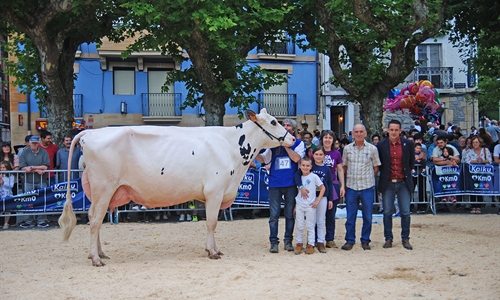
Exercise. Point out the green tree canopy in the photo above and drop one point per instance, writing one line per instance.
(475, 29)
(371, 44)
(216, 36)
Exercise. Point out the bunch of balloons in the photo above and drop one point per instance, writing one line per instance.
(420, 98)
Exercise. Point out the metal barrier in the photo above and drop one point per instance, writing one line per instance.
(464, 198)
(25, 180)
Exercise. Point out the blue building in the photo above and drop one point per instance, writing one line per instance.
(110, 91)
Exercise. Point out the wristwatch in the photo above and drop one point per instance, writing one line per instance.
(31, 168)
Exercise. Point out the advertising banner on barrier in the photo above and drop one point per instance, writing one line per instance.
(466, 179)
(49, 199)
(447, 180)
(253, 188)
(481, 179)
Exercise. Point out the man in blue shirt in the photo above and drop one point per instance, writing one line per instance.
(283, 165)
(62, 159)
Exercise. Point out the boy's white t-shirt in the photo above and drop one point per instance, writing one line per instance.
(310, 182)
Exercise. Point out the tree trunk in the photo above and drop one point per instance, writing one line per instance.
(372, 114)
(214, 109)
(57, 75)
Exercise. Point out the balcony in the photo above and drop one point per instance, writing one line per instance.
(440, 77)
(278, 51)
(281, 106)
(161, 107)
(77, 107)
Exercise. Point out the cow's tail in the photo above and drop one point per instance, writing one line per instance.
(67, 220)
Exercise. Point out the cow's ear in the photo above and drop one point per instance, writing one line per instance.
(251, 115)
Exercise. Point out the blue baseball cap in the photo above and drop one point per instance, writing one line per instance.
(34, 139)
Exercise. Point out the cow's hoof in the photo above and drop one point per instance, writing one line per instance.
(215, 255)
(98, 263)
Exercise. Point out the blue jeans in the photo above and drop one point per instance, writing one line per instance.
(351, 198)
(330, 217)
(275, 197)
(404, 198)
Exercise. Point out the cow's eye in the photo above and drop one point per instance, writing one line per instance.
(273, 122)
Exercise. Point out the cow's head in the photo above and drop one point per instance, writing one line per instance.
(278, 135)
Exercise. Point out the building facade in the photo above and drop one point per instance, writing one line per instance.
(4, 94)
(110, 91)
(439, 62)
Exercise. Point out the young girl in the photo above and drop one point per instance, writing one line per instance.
(6, 184)
(306, 206)
(446, 154)
(9, 155)
(326, 202)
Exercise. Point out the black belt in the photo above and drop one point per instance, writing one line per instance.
(396, 180)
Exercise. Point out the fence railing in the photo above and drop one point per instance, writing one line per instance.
(279, 105)
(440, 77)
(161, 104)
(287, 47)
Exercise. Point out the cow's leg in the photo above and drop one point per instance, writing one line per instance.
(96, 215)
(212, 208)
(99, 248)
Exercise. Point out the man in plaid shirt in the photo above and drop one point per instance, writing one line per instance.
(361, 162)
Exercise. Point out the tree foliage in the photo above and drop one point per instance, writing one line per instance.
(51, 31)
(216, 37)
(25, 68)
(476, 32)
(371, 44)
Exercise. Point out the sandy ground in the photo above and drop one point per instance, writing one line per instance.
(455, 256)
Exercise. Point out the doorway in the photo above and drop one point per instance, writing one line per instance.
(337, 119)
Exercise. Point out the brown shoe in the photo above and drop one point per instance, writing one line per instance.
(331, 244)
(366, 246)
(347, 246)
(388, 244)
(321, 247)
(310, 249)
(298, 249)
(406, 245)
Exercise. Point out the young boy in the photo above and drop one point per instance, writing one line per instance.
(420, 159)
(306, 206)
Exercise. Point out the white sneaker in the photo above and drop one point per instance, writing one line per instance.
(188, 217)
(143, 207)
(181, 218)
(135, 207)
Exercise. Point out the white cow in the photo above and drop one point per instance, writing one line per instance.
(163, 166)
